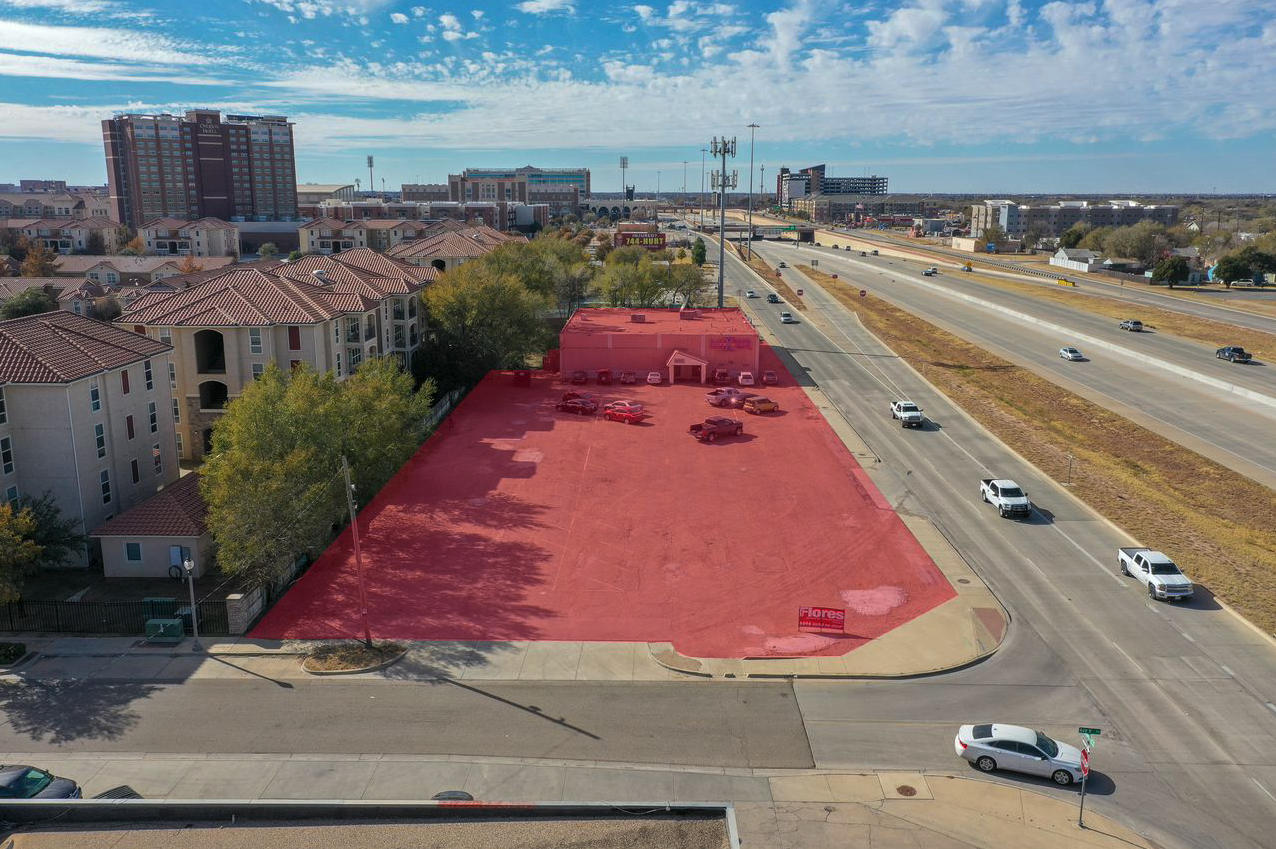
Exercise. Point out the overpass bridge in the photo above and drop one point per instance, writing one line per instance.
(738, 230)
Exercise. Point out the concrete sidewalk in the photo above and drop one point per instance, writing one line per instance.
(774, 808)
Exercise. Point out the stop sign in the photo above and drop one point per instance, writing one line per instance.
(1085, 762)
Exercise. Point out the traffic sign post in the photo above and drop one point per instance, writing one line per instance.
(1087, 738)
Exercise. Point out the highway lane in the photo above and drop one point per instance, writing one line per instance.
(1220, 425)
(1182, 693)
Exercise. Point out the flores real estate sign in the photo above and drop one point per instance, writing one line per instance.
(821, 619)
(651, 241)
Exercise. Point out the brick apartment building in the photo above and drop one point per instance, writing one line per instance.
(793, 185)
(179, 237)
(330, 313)
(199, 166)
(560, 188)
(1018, 219)
(84, 415)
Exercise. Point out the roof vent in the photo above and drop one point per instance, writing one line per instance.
(688, 315)
(320, 274)
(638, 318)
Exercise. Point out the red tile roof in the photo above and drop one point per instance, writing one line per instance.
(177, 510)
(342, 276)
(244, 298)
(379, 263)
(471, 241)
(60, 346)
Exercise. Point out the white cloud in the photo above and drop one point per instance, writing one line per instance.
(541, 7)
(453, 35)
(419, 11)
(644, 12)
(105, 43)
(477, 13)
(310, 9)
(449, 21)
(49, 67)
(398, 18)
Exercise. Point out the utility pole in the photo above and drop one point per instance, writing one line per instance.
(749, 216)
(684, 184)
(703, 151)
(722, 182)
(372, 184)
(762, 182)
(657, 185)
(624, 165)
(358, 555)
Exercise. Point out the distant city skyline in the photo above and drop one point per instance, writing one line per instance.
(981, 96)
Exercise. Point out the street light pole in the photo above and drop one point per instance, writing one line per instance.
(358, 555)
(749, 226)
(703, 151)
(189, 568)
(684, 183)
(722, 182)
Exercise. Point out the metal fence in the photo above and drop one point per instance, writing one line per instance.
(121, 618)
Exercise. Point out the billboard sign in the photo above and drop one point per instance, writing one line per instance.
(651, 241)
(821, 619)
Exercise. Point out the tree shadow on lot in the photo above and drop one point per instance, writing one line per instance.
(56, 713)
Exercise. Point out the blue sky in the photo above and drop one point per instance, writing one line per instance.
(990, 96)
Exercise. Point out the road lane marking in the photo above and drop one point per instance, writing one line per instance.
(1264, 789)
(1270, 706)
(1187, 636)
(1229, 672)
(1134, 662)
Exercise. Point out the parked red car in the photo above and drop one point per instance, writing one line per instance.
(629, 412)
(604, 377)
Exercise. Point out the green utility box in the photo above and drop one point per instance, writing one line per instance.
(165, 630)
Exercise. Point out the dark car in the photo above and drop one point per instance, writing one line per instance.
(572, 394)
(772, 298)
(770, 378)
(863, 253)
(604, 377)
(1235, 353)
(27, 782)
(627, 377)
(579, 406)
(580, 377)
(721, 377)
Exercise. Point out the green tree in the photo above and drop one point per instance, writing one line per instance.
(382, 416)
(271, 482)
(627, 255)
(1232, 268)
(295, 255)
(993, 235)
(107, 309)
(1144, 241)
(1171, 270)
(267, 250)
(1074, 235)
(1095, 239)
(57, 536)
(698, 251)
(681, 254)
(19, 552)
(134, 247)
(28, 302)
(95, 245)
(479, 320)
(686, 283)
(39, 261)
(572, 285)
(1035, 236)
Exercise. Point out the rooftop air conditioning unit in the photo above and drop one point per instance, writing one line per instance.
(688, 315)
(638, 318)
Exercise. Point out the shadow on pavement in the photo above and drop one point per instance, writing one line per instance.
(61, 712)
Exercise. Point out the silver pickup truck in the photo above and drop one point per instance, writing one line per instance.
(1157, 571)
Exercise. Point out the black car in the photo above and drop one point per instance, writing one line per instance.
(772, 298)
(579, 377)
(1235, 353)
(627, 377)
(579, 406)
(27, 782)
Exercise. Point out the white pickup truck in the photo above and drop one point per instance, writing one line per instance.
(908, 413)
(1007, 496)
(1157, 571)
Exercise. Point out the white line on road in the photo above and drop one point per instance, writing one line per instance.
(1188, 636)
(1134, 662)
(1264, 789)
(1229, 672)
(1270, 706)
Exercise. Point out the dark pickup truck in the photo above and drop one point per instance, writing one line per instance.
(715, 426)
(1234, 353)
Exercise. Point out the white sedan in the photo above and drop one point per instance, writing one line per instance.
(787, 318)
(1071, 354)
(992, 746)
(750, 294)
(655, 378)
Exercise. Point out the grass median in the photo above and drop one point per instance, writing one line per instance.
(771, 276)
(1218, 525)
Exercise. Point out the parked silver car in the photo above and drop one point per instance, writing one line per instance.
(992, 746)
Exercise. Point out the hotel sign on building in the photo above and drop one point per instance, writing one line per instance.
(650, 241)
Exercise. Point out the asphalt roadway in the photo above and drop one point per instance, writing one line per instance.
(1222, 425)
(1185, 695)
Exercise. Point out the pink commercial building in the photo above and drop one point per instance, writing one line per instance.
(686, 345)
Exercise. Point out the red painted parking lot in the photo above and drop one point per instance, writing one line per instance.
(517, 522)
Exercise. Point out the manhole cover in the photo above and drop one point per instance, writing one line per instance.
(905, 790)
(963, 580)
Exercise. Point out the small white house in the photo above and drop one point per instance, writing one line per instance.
(1076, 259)
(148, 540)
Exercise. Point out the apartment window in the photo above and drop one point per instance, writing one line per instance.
(137, 476)
(11, 495)
(4, 413)
(6, 455)
(157, 458)
(95, 396)
(105, 478)
(179, 444)
(150, 409)
(294, 338)
(258, 369)
(254, 340)
(172, 375)
(128, 426)
(99, 433)
(133, 552)
(149, 375)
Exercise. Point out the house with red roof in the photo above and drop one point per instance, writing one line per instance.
(154, 538)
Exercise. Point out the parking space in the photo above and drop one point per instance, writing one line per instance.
(520, 522)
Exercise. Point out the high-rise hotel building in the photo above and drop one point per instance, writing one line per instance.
(241, 168)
